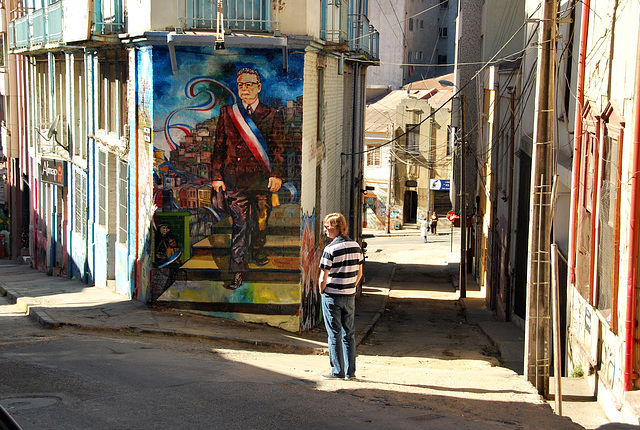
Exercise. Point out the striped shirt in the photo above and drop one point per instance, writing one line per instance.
(342, 258)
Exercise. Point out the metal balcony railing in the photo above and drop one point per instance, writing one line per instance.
(239, 15)
(19, 33)
(39, 27)
(333, 21)
(108, 17)
(337, 25)
(363, 37)
(54, 22)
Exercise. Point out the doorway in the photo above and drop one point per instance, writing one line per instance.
(410, 209)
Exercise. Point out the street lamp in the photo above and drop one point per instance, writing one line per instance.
(457, 122)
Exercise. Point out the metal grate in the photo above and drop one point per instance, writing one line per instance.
(102, 188)
(123, 196)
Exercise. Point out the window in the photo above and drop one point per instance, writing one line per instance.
(112, 110)
(449, 143)
(123, 197)
(421, 24)
(80, 206)
(607, 266)
(78, 119)
(413, 139)
(102, 188)
(443, 32)
(444, 4)
(373, 155)
(410, 56)
(2, 43)
(442, 59)
(320, 119)
(410, 24)
(585, 246)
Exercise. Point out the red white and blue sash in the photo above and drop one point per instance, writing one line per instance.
(251, 135)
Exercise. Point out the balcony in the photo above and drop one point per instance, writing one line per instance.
(239, 15)
(333, 21)
(338, 26)
(107, 17)
(36, 28)
(363, 37)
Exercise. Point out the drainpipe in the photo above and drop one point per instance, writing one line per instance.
(629, 344)
(577, 143)
(355, 206)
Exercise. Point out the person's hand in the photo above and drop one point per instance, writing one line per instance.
(274, 184)
(217, 185)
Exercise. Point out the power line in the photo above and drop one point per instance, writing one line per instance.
(485, 64)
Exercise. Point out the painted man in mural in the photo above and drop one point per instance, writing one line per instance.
(247, 166)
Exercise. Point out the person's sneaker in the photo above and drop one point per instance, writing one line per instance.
(350, 378)
(332, 376)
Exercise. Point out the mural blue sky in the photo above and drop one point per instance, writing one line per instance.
(173, 101)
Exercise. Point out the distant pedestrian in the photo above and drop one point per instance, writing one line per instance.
(340, 273)
(424, 228)
(434, 223)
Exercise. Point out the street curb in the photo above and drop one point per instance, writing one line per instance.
(369, 327)
(40, 316)
(37, 314)
(280, 347)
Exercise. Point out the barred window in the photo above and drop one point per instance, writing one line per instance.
(80, 212)
(413, 140)
(102, 188)
(123, 197)
(373, 155)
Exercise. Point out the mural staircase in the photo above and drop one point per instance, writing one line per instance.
(200, 281)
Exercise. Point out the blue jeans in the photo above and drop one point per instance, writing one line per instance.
(339, 319)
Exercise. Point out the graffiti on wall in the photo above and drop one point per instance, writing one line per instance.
(227, 136)
(310, 256)
(141, 161)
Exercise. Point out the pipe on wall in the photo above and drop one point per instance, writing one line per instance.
(630, 319)
(577, 145)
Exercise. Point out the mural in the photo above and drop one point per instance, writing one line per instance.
(310, 254)
(227, 136)
(141, 161)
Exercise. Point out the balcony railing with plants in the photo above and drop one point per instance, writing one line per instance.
(32, 29)
(239, 15)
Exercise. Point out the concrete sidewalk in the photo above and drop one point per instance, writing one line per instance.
(58, 301)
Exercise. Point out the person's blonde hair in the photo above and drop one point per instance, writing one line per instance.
(337, 221)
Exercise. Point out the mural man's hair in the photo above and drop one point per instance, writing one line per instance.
(249, 71)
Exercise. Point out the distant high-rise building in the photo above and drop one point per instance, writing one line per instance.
(417, 40)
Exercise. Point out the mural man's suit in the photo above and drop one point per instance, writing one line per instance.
(247, 165)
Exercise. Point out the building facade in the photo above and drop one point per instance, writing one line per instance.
(592, 173)
(165, 143)
(417, 40)
(408, 163)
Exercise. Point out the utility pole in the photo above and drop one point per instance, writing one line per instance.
(389, 187)
(463, 201)
(537, 329)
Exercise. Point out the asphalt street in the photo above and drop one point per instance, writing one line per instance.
(421, 365)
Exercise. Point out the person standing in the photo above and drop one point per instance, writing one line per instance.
(340, 273)
(247, 165)
(434, 222)
(424, 228)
